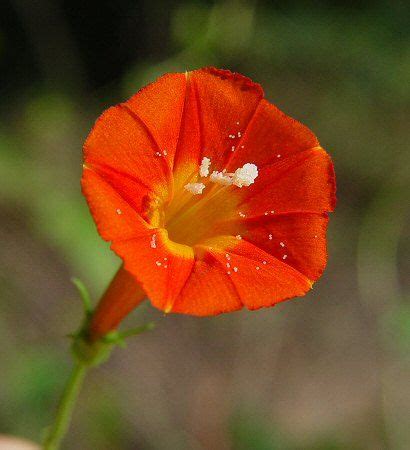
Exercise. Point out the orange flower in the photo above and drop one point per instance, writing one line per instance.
(213, 198)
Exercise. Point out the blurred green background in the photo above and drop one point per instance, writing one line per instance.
(329, 371)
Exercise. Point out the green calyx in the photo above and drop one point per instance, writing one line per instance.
(94, 352)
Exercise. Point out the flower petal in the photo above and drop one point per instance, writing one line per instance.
(271, 135)
(160, 265)
(208, 290)
(226, 103)
(298, 240)
(118, 141)
(159, 107)
(114, 216)
(261, 279)
(302, 182)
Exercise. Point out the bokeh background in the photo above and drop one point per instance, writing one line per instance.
(329, 371)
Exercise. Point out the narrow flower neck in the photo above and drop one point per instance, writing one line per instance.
(122, 295)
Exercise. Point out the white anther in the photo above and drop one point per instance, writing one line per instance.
(195, 188)
(118, 211)
(221, 178)
(204, 167)
(245, 175)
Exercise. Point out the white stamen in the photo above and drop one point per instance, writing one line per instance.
(118, 211)
(284, 256)
(281, 244)
(245, 175)
(272, 212)
(270, 237)
(221, 178)
(204, 167)
(158, 263)
(237, 123)
(239, 134)
(278, 156)
(195, 188)
(153, 242)
(235, 269)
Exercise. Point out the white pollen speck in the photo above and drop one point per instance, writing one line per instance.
(245, 175)
(270, 237)
(284, 256)
(242, 146)
(233, 148)
(227, 256)
(242, 214)
(166, 266)
(239, 134)
(153, 242)
(118, 211)
(228, 265)
(264, 262)
(278, 156)
(257, 267)
(204, 167)
(315, 236)
(237, 123)
(158, 263)
(165, 153)
(266, 213)
(239, 237)
(281, 244)
(229, 272)
(158, 153)
(272, 212)
(165, 259)
(235, 269)
(195, 188)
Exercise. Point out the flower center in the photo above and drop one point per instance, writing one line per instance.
(208, 206)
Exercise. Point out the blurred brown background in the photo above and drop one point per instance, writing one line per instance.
(327, 372)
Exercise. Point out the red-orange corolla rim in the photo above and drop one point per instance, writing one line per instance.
(230, 246)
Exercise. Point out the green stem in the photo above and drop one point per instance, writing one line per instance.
(62, 420)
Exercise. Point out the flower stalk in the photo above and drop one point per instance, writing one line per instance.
(65, 409)
(90, 349)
